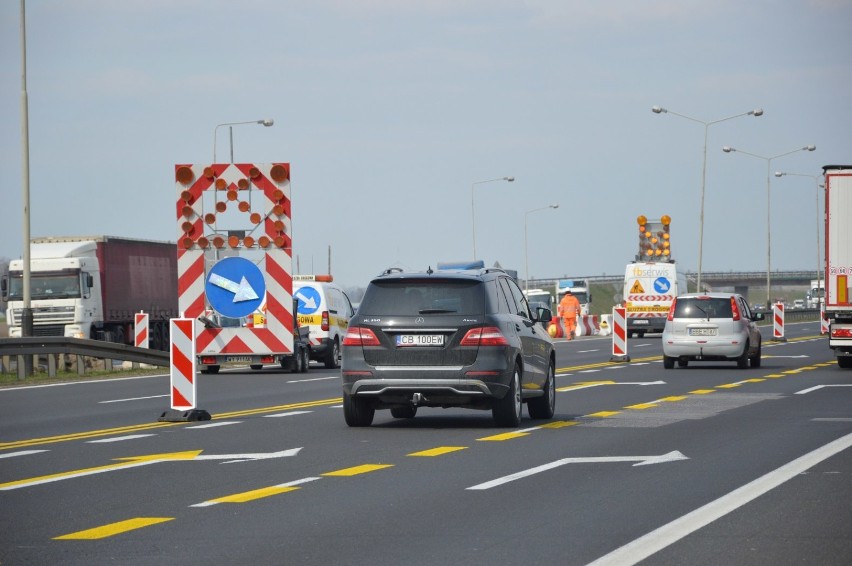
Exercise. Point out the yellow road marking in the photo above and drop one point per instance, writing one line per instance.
(775, 375)
(728, 386)
(354, 471)
(674, 398)
(504, 436)
(604, 414)
(642, 406)
(253, 494)
(440, 451)
(559, 424)
(114, 528)
(703, 391)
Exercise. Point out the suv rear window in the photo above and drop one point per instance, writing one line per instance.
(703, 307)
(410, 297)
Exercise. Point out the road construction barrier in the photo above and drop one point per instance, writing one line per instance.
(619, 335)
(824, 325)
(778, 322)
(140, 330)
(183, 373)
(605, 325)
(587, 325)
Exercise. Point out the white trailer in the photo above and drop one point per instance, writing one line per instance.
(838, 260)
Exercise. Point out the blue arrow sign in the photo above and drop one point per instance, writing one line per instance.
(662, 285)
(235, 287)
(309, 300)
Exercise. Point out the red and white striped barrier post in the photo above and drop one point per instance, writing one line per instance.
(183, 373)
(619, 335)
(778, 322)
(140, 330)
(823, 321)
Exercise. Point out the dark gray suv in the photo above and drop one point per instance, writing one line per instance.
(447, 339)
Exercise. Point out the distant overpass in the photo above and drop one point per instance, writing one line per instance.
(713, 279)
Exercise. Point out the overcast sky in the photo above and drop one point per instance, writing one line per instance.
(389, 111)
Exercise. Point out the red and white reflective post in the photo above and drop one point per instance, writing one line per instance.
(778, 322)
(619, 335)
(183, 386)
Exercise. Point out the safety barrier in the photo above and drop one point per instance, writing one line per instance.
(605, 328)
(619, 335)
(778, 322)
(183, 373)
(587, 325)
(140, 330)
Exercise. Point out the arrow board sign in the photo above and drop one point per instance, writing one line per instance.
(235, 287)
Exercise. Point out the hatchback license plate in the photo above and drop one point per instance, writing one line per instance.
(403, 340)
(702, 332)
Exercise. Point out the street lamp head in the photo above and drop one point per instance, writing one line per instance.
(779, 174)
(658, 110)
(510, 179)
(809, 147)
(266, 122)
(728, 149)
(757, 112)
(554, 205)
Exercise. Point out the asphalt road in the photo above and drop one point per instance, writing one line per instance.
(700, 465)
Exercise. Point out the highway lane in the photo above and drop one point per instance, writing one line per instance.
(283, 480)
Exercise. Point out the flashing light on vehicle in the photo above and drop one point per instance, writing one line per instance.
(654, 237)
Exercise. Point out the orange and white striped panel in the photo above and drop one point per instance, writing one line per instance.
(261, 193)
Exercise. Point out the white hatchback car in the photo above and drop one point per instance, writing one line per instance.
(711, 327)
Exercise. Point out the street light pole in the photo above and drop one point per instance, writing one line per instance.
(526, 248)
(660, 110)
(817, 186)
(266, 122)
(472, 210)
(728, 149)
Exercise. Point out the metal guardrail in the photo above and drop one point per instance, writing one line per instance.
(79, 347)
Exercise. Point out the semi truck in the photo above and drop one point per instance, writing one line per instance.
(92, 286)
(652, 280)
(838, 261)
(816, 294)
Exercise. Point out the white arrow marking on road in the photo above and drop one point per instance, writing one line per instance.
(309, 301)
(640, 461)
(805, 391)
(242, 291)
(137, 461)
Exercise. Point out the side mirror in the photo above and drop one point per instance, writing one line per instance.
(757, 316)
(543, 314)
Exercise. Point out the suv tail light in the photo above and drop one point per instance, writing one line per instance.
(324, 321)
(735, 309)
(672, 309)
(360, 337)
(484, 336)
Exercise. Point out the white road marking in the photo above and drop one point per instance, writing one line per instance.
(119, 438)
(805, 391)
(133, 399)
(314, 379)
(658, 539)
(213, 425)
(22, 453)
(289, 414)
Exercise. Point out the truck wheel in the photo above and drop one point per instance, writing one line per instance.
(332, 360)
(357, 412)
(211, 369)
(306, 360)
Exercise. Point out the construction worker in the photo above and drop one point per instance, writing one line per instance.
(569, 308)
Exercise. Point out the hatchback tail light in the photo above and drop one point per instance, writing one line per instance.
(735, 309)
(324, 325)
(672, 309)
(360, 337)
(484, 336)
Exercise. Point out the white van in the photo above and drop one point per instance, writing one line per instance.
(326, 309)
(649, 289)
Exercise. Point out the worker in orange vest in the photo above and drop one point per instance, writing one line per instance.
(569, 308)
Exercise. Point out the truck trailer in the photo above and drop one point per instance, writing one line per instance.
(92, 286)
(838, 260)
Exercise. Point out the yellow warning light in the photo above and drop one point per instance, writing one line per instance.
(649, 252)
(254, 172)
(209, 218)
(186, 196)
(221, 184)
(641, 220)
(221, 206)
(279, 226)
(186, 227)
(187, 211)
(187, 243)
(184, 175)
(243, 184)
(203, 243)
(233, 241)
(209, 173)
(263, 242)
(278, 210)
(277, 195)
(666, 252)
(647, 234)
(666, 244)
(219, 242)
(666, 236)
(279, 173)
(244, 206)
(255, 218)
(248, 241)
(232, 195)
(666, 219)
(654, 240)
(280, 241)
(658, 252)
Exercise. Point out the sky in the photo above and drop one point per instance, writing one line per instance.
(392, 112)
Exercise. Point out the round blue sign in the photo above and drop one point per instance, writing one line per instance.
(309, 300)
(662, 285)
(235, 287)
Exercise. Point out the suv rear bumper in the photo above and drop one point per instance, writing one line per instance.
(690, 349)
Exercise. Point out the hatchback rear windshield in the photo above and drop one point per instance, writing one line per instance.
(406, 297)
(703, 307)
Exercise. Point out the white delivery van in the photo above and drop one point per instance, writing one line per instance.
(326, 309)
(649, 289)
